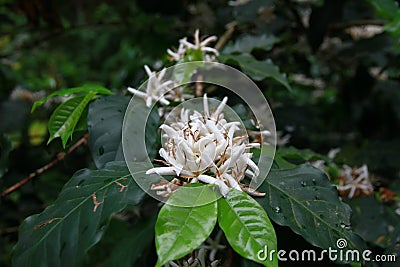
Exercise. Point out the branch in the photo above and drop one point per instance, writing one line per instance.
(226, 36)
(34, 42)
(60, 156)
(352, 23)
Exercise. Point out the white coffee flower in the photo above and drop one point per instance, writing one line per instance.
(354, 182)
(209, 53)
(160, 89)
(203, 147)
(155, 89)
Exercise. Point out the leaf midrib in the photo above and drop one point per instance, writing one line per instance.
(238, 218)
(187, 217)
(290, 198)
(76, 207)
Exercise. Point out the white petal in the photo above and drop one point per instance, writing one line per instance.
(148, 102)
(197, 38)
(220, 108)
(208, 155)
(169, 130)
(210, 49)
(163, 101)
(208, 40)
(184, 42)
(162, 171)
(207, 179)
(148, 71)
(214, 129)
(232, 182)
(205, 104)
(137, 92)
(224, 189)
(253, 166)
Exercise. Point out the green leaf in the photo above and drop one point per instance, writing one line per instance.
(258, 70)
(64, 231)
(249, 10)
(135, 117)
(304, 199)
(64, 119)
(180, 230)
(123, 244)
(105, 119)
(247, 43)
(184, 75)
(247, 227)
(5, 149)
(368, 219)
(87, 88)
(388, 9)
(300, 154)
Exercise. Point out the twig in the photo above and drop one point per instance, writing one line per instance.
(199, 86)
(226, 36)
(361, 22)
(55, 33)
(60, 156)
(229, 257)
(9, 231)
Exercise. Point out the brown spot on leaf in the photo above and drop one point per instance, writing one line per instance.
(37, 227)
(95, 202)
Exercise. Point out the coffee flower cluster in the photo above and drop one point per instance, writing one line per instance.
(205, 147)
(163, 90)
(208, 53)
(159, 89)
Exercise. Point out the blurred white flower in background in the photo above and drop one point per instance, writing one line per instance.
(155, 89)
(355, 181)
(159, 89)
(205, 147)
(209, 53)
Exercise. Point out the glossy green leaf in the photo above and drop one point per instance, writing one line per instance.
(105, 119)
(247, 43)
(66, 116)
(5, 149)
(304, 199)
(259, 70)
(180, 230)
(64, 231)
(247, 227)
(87, 88)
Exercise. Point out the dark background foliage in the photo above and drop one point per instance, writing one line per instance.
(345, 82)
